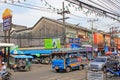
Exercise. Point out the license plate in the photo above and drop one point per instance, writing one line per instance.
(56, 67)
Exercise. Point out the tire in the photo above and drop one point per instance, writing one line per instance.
(68, 69)
(80, 67)
(57, 70)
(104, 70)
(15, 70)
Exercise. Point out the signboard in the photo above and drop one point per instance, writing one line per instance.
(7, 19)
(98, 38)
(74, 40)
(91, 75)
(52, 43)
(7, 23)
(14, 47)
(75, 45)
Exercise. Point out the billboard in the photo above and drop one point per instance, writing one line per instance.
(74, 40)
(7, 19)
(52, 43)
(98, 38)
(7, 23)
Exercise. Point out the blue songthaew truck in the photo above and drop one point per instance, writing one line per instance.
(68, 60)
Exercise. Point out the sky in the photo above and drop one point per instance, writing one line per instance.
(29, 16)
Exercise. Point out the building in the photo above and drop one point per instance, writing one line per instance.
(14, 27)
(50, 28)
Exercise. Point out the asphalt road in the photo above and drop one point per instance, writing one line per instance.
(44, 72)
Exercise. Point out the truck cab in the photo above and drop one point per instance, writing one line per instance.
(67, 60)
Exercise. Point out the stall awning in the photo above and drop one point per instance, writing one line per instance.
(21, 56)
(34, 52)
(16, 52)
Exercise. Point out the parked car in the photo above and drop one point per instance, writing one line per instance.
(100, 63)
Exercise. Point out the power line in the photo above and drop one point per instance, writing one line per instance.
(31, 7)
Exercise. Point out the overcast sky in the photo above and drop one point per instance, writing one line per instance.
(28, 17)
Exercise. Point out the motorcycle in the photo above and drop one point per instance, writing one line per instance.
(5, 75)
(115, 71)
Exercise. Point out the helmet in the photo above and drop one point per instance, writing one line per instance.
(3, 62)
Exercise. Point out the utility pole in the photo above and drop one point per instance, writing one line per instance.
(113, 31)
(92, 22)
(63, 14)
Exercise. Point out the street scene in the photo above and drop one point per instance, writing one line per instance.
(59, 40)
(44, 72)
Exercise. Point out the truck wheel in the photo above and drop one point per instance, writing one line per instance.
(80, 67)
(57, 70)
(68, 69)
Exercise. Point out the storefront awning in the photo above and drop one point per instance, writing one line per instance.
(21, 56)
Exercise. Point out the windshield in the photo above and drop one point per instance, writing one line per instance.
(99, 60)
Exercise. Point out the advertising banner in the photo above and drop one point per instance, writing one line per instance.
(98, 38)
(7, 23)
(52, 43)
(75, 45)
(7, 19)
(74, 40)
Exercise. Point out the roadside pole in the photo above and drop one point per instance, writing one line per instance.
(7, 21)
(63, 20)
(92, 22)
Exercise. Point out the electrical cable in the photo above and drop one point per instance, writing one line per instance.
(30, 7)
(102, 7)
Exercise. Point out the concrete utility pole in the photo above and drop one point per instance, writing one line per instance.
(113, 31)
(63, 14)
(92, 21)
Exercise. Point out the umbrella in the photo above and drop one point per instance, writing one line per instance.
(108, 53)
(16, 52)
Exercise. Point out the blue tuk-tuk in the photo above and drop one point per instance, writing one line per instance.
(68, 60)
(20, 62)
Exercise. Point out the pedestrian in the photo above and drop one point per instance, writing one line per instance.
(3, 67)
(28, 64)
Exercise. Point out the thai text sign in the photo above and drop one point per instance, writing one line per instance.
(74, 40)
(7, 23)
(91, 75)
(7, 19)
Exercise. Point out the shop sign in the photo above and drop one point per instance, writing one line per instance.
(7, 23)
(91, 75)
(74, 40)
(52, 43)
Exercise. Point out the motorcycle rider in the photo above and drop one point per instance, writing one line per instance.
(3, 67)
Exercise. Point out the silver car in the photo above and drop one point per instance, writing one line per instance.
(99, 63)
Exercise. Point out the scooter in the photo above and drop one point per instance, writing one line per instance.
(115, 71)
(5, 75)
